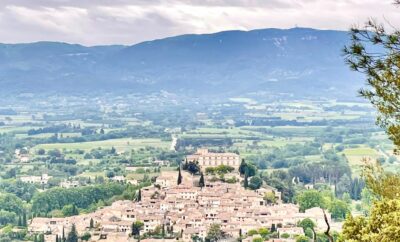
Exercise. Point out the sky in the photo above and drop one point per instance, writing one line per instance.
(105, 22)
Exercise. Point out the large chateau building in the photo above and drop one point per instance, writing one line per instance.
(210, 159)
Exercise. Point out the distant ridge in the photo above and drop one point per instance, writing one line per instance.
(298, 61)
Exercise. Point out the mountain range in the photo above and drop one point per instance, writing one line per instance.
(298, 62)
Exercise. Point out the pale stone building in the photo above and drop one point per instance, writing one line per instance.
(43, 179)
(210, 159)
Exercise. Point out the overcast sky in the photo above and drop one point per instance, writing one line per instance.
(94, 22)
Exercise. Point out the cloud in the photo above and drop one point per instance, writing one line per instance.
(132, 21)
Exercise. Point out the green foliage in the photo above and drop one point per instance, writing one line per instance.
(255, 182)
(285, 236)
(215, 233)
(383, 222)
(23, 190)
(70, 210)
(264, 232)
(339, 209)
(309, 199)
(72, 235)
(375, 52)
(247, 168)
(81, 197)
(179, 181)
(343, 186)
(306, 224)
(86, 236)
(309, 233)
(136, 227)
(192, 168)
(91, 223)
(220, 170)
(270, 198)
(302, 238)
(7, 217)
(246, 181)
(252, 232)
(11, 203)
(201, 180)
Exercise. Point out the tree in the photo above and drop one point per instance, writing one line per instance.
(252, 232)
(41, 152)
(136, 227)
(193, 168)
(264, 232)
(139, 196)
(309, 199)
(201, 181)
(86, 236)
(367, 198)
(251, 169)
(255, 183)
(344, 185)
(307, 223)
(91, 224)
(179, 181)
(41, 238)
(223, 169)
(72, 235)
(110, 174)
(7, 217)
(381, 225)
(70, 210)
(10, 202)
(63, 234)
(269, 198)
(302, 238)
(383, 221)
(375, 52)
(215, 233)
(242, 167)
(309, 233)
(246, 180)
(24, 221)
(339, 209)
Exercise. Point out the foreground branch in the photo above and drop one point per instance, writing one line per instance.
(329, 227)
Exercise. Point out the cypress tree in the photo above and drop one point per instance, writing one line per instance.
(201, 181)
(273, 228)
(24, 222)
(72, 235)
(41, 238)
(139, 197)
(91, 225)
(246, 179)
(179, 176)
(243, 167)
(63, 235)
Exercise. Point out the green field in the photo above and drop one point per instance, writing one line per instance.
(121, 145)
(363, 151)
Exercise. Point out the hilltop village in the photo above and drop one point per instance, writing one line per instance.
(180, 206)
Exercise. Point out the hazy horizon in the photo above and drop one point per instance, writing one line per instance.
(129, 22)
